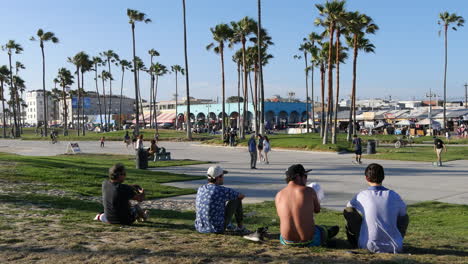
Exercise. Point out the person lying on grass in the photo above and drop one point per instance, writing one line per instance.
(376, 218)
(296, 205)
(216, 204)
(116, 198)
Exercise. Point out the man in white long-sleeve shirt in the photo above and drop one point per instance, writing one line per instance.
(376, 218)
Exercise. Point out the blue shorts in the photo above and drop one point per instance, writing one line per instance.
(358, 151)
(315, 242)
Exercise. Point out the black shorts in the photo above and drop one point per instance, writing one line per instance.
(358, 152)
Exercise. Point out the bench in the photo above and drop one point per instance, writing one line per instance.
(162, 155)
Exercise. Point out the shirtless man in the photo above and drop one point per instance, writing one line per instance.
(296, 205)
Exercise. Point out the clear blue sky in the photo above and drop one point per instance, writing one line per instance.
(408, 59)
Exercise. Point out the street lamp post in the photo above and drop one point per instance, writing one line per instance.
(430, 95)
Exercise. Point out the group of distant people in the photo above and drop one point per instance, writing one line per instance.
(376, 218)
(258, 151)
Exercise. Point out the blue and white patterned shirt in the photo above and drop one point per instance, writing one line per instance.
(210, 206)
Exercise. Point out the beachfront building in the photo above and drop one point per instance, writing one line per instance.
(34, 112)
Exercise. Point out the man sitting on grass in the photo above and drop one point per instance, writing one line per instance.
(376, 218)
(216, 204)
(296, 205)
(116, 198)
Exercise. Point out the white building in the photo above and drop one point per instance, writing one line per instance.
(34, 112)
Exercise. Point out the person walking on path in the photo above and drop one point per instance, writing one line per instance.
(253, 152)
(376, 218)
(103, 139)
(260, 148)
(296, 205)
(439, 145)
(357, 148)
(232, 137)
(127, 139)
(216, 205)
(266, 148)
(139, 142)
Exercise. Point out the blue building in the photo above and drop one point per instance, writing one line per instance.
(275, 112)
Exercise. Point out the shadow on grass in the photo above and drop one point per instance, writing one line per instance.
(434, 251)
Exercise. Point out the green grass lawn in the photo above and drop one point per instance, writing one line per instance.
(164, 134)
(84, 173)
(437, 234)
(418, 153)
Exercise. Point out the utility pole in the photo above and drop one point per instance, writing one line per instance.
(430, 95)
(466, 95)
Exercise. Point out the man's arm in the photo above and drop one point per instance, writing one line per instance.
(314, 200)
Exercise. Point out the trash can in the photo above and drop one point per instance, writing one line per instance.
(142, 159)
(371, 146)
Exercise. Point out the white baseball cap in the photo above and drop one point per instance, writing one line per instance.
(215, 171)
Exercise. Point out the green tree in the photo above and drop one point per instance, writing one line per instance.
(105, 76)
(177, 69)
(221, 33)
(79, 60)
(140, 66)
(65, 79)
(189, 125)
(124, 65)
(110, 57)
(20, 106)
(242, 30)
(11, 46)
(158, 71)
(43, 37)
(86, 66)
(358, 25)
(237, 58)
(329, 13)
(306, 48)
(136, 16)
(446, 20)
(153, 53)
(4, 75)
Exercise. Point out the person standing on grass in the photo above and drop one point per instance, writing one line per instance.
(296, 205)
(376, 218)
(266, 148)
(357, 148)
(253, 152)
(439, 145)
(260, 148)
(103, 139)
(139, 142)
(116, 198)
(216, 205)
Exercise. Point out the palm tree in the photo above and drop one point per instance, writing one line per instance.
(20, 86)
(104, 77)
(11, 46)
(242, 30)
(221, 34)
(86, 66)
(136, 16)
(446, 20)
(140, 66)
(153, 53)
(189, 125)
(306, 47)
(314, 39)
(330, 13)
(78, 60)
(20, 107)
(124, 65)
(4, 73)
(110, 57)
(237, 58)
(177, 69)
(260, 67)
(65, 79)
(357, 26)
(56, 93)
(158, 70)
(97, 61)
(44, 37)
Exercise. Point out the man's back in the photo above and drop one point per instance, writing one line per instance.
(380, 209)
(116, 198)
(296, 205)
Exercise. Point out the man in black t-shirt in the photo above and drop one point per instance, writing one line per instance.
(357, 148)
(438, 147)
(116, 198)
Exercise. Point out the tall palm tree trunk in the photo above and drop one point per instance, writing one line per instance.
(223, 114)
(98, 97)
(238, 95)
(44, 90)
(189, 125)
(83, 105)
(65, 111)
(335, 123)
(104, 101)
(13, 95)
(244, 114)
(110, 91)
(176, 94)
(352, 112)
(445, 79)
(137, 126)
(151, 101)
(307, 91)
(330, 84)
(255, 100)
(312, 96)
(121, 98)
(3, 111)
(141, 99)
(155, 93)
(78, 102)
(322, 115)
(260, 70)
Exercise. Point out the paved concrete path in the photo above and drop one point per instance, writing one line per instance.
(414, 181)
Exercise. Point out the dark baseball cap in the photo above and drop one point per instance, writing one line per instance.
(297, 169)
